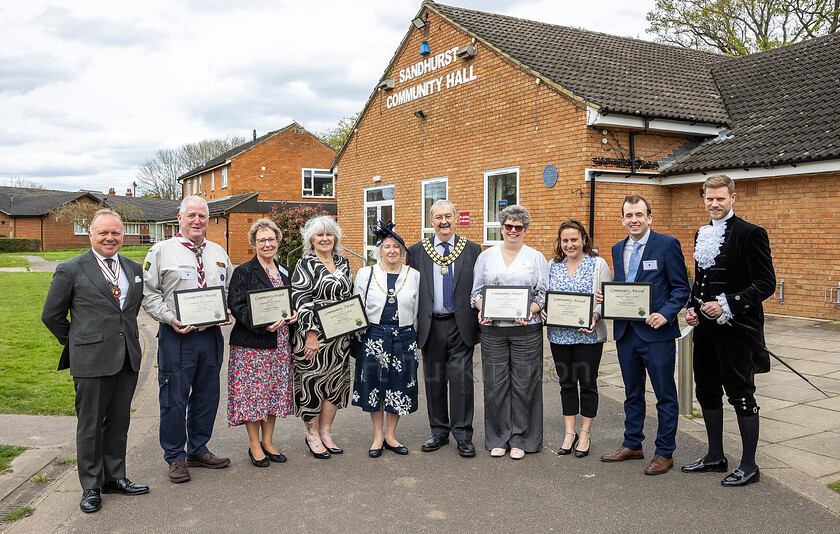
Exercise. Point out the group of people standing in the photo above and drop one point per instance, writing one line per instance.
(426, 300)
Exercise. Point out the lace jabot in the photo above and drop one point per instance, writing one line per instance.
(709, 240)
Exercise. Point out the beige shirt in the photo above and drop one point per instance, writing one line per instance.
(170, 266)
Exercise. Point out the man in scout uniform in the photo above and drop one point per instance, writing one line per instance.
(189, 358)
(447, 328)
(102, 292)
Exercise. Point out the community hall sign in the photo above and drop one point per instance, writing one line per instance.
(430, 64)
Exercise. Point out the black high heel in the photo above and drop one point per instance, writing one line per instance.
(257, 463)
(279, 457)
(319, 455)
(581, 454)
(563, 452)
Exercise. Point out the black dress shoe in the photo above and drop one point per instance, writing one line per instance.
(262, 462)
(278, 458)
(434, 443)
(91, 501)
(319, 455)
(739, 478)
(563, 452)
(124, 486)
(399, 450)
(334, 450)
(702, 466)
(466, 448)
(375, 453)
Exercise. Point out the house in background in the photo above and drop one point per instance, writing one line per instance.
(27, 213)
(289, 167)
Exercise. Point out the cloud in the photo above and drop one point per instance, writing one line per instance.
(96, 31)
(20, 75)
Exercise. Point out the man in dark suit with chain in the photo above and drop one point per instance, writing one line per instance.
(102, 291)
(734, 275)
(447, 328)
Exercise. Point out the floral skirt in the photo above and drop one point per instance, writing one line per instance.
(259, 383)
(386, 370)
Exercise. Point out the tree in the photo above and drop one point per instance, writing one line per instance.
(159, 174)
(290, 221)
(741, 27)
(335, 137)
(24, 183)
(82, 212)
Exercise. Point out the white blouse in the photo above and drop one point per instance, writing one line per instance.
(529, 268)
(406, 297)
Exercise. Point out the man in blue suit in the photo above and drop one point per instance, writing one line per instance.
(649, 257)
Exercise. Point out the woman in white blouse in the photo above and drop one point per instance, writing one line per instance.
(386, 359)
(512, 351)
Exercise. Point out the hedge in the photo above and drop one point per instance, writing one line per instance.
(13, 244)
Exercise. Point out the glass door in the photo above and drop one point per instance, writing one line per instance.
(379, 206)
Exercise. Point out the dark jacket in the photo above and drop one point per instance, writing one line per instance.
(247, 277)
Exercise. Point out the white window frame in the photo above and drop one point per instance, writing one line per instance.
(199, 184)
(212, 180)
(224, 177)
(426, 224)
(80, 227)
(131, 229)
(374, 204)
(495, 224)
(310, 193)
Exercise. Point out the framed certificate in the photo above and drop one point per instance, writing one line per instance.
(342, 317)
(627, 301)
(203, 306)
(268, 306)
(573, 310)
(506, 303)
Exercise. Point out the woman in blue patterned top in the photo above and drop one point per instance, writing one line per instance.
(577, 268)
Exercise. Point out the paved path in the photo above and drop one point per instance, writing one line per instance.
(37, 264)
(438, 491)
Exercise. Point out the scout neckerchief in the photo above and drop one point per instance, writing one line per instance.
(198, 251)
(444, 262)
(112, 274)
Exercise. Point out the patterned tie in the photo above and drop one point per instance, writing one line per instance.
(448, 281)
(198, 250)
(110, 263)
(635, 261)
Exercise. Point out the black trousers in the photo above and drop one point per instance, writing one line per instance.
(448, 376)
(723, 361)
(103, 413)
(578, 364)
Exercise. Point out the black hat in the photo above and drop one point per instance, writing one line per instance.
(384, 230)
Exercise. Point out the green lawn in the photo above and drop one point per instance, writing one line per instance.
(11, 260)
(29, 382)
(136, 253)
(7, 454)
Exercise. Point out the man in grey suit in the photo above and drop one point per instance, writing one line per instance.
(102, 291)
(447, 328)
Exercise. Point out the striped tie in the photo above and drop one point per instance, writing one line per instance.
(199, 250)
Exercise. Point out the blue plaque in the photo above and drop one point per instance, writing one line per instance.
(550, 176)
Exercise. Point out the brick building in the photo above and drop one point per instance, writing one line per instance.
(489, 110)
(28, 213)
(287, 167)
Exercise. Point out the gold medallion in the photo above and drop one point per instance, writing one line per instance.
(116, 291)
(444, 270)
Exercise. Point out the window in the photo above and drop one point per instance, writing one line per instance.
(317, 183)
(199, 186)
(224, 177)
(501, 189)
(131, 229)
(379, 205)
(212, 180)
(80, 227)
(432, 191)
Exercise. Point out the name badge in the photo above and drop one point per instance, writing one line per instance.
(187, 275)
(649, 265)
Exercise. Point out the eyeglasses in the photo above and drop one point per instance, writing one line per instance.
(264, 242)
(514, 227)
(448, 217)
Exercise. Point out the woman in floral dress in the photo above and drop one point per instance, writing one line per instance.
(386, 358)
(260, 366)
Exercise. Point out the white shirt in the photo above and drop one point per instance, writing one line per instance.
(123, 282)
(438, 308)
(529, 268)
(628, 250)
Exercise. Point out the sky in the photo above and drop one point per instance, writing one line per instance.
(90, 89)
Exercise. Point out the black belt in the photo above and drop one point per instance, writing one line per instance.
(443, 316)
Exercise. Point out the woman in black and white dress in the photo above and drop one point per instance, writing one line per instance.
(322, 368)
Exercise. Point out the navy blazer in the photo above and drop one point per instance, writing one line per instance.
(670, 285)
(247, 277)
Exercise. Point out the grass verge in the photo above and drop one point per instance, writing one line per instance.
(19, 513)
(11, 260)
(136, 253)
(7, 454)
(29, 382)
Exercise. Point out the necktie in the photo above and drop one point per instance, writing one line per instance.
(110, 262)
(635, 261)
(198, 250)
(448, 281)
